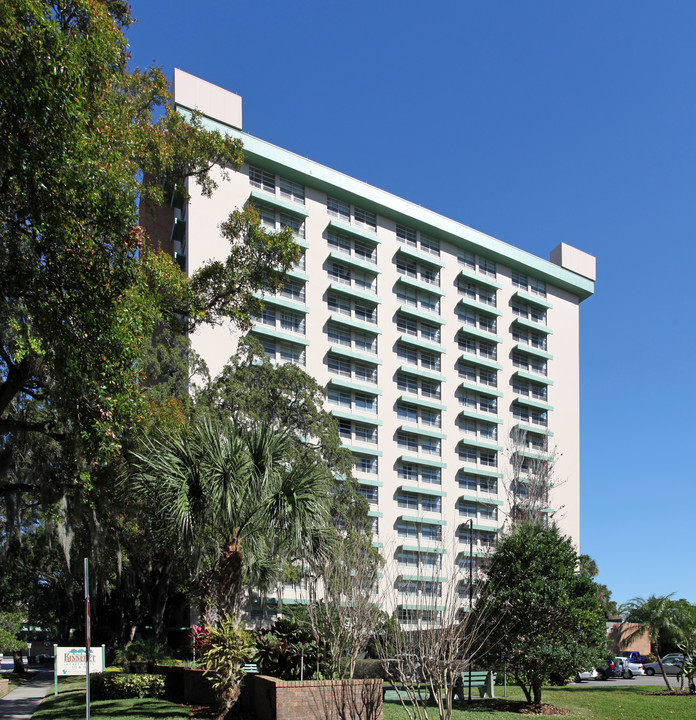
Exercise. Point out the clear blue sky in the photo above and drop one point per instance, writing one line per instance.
(537, 122)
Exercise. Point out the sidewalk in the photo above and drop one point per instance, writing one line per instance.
(21, 703)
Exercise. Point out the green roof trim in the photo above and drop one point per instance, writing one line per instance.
(295, 167)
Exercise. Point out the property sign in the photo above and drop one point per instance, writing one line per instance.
(73, 661)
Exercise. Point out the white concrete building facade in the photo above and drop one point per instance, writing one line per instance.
(435, 342)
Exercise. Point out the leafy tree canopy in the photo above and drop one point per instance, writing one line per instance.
(549, 618)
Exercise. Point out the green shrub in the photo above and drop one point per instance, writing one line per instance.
(368, 669)
(147, 649)
(122, 686)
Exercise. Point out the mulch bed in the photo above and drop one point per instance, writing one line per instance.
(519, 706)
(672, 692)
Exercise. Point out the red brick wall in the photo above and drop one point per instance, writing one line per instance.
(317, 699)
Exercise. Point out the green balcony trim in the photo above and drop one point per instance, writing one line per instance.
(535, 454)
(422, 491)
(424, 550)
(422, 461)
(486, 528)
(531, 325)
(283, 302)
(290, 601)
(422, 402)
(376, 544)
(420, 285)
(368, 481)
(481, 416)
(482, 307)
(357, 263)
(350, 385)
(375, 513)
(483, 389)
(421, 314)
(481, 334)
(479, 471)
(521, 347)
(367, 419)
(478, 360)
(422, 578)
(532, 299)
(346, 229)
(485, 444)
(480, 279)
(301, 242)
(525, 375)
(350, 290)
(427, 258)
(534, 429)
(483, 501)
(464, 555)
(422, 520)
(272, 332)
(363, 450)
(419, 430)
(423, 344)
(347, 352)
(262, 198)
(531, 402)
(297, 275)
(429, 374)
(421, 606)
(350, 322)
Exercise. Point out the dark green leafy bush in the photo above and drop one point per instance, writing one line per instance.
(120, 686)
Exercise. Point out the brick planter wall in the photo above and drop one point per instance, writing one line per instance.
(186, 685)
(275, 699)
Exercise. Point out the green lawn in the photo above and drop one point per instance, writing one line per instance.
(69, 704)
(588, 703)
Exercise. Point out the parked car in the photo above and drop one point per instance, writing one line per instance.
(592, 674)
(672, 666)
(633, 656)
(626, 668)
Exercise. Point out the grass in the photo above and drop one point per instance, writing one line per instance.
(588, 703)
(16, 679)
(69, 704)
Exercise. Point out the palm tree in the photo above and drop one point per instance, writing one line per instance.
(656, 616)
(224, 493)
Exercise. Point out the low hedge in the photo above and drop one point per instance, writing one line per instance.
(123, 686)
(368, 669)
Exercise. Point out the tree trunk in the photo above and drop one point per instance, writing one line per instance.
(536, 689)
(664, 674)
(18, 662)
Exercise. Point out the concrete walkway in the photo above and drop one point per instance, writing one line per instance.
(21, 703)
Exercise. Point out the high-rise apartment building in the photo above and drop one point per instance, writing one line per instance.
(450, 359)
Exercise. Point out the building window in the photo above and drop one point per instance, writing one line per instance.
(271, 183)
(274, 220)
(535, 416)
(475, 319)
(406, 412)
(284, 352)
(486, 267)
(476, 292)
(418, 358)
(363, 281)
(354, 431)
(529, 363)
(418, 271)
(418, 328)
(418, 443)
(371, 494)
(529, 312)
(352, 247)
(474, 346)
(365, 464)
(351, 307)
(352, 369)
(418, 299)
(411, 238)
(287, 320)
(478, 456)
(529, 337)
(342, 211)
(353, 400)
